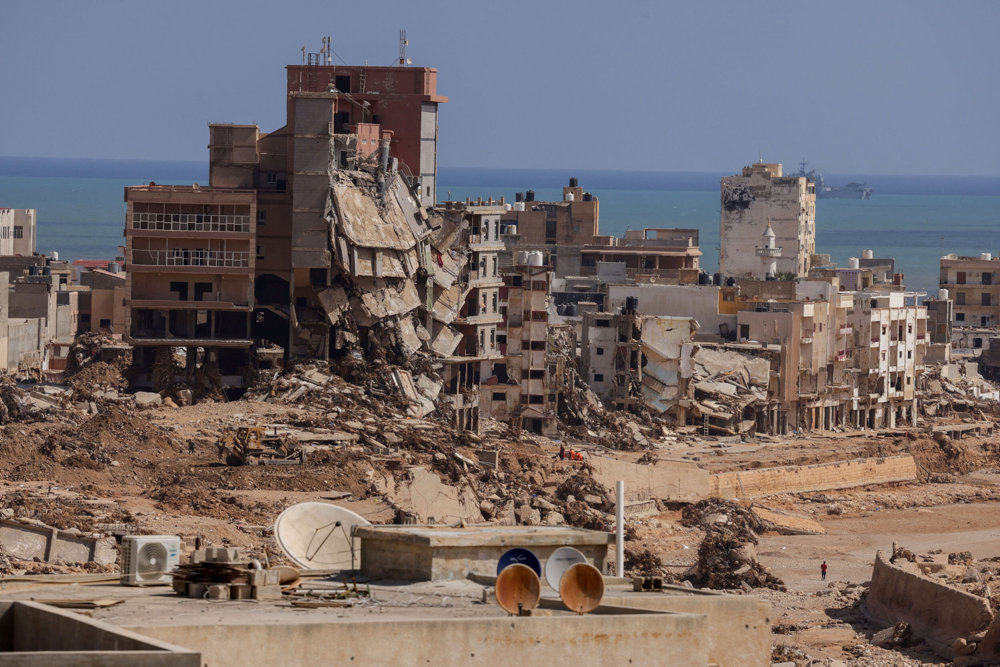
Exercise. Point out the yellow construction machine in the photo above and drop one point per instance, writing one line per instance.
(252, 445)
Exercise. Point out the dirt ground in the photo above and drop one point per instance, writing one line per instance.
(158, 471)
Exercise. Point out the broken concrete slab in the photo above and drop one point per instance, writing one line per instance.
(147, 399)
(29, 539)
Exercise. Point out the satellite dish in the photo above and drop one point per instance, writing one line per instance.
(518, 588)
(522, 556)
(319, 536)
(561, 560)
(581, 588)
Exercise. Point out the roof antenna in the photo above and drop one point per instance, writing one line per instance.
(403, 60)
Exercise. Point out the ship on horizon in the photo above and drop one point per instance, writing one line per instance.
(824, 191)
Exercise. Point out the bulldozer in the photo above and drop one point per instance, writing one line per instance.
(252, 445)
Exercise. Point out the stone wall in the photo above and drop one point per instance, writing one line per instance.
(819, 477)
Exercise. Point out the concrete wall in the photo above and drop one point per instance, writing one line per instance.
(666, 479)
(36, 634)
(4, 314)
(612, 639)
(24, 342)
(738, 627)
(701, 302)
(819, 477)
(937, 612)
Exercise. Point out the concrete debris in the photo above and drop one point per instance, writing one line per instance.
(727, 555)
(723, 385)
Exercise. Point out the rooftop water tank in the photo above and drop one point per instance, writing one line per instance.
(853, 263)
(55, 256)
(529, 195)
(535, 258)
(867, 254)
(569, 196)
(573, 182)
(942, 295)
(985, 256)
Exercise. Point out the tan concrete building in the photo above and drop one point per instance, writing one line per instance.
(749, 203)
(190, 255)
(521, 389)
(973, 284)
(18, 231)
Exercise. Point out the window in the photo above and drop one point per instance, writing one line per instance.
(986, 300)
(959, 317)
(261, 216)
(260, 252)
(536, 374)
(494, 266)
(987, 278)
(959, 298)
(18, 232)
(603, 323)
(535, 399)
(977, 343)
(985, 321)
(499, 396)
(493, 337)
(271, 178)
(598, 377)
(600, 351)
(960, 277)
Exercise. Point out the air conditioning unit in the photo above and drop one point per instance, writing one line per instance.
(147, 560)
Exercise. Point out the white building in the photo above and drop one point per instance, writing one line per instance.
(751, 201)
(17, 231)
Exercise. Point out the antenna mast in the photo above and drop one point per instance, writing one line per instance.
(403, 60)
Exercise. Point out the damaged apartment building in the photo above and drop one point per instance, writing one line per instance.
(321, 239)
(315, 237)
(569, 231)
(805, 356)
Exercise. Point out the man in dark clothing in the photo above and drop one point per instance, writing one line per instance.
(822, 569)
(562, 453)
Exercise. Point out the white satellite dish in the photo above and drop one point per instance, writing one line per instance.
(319, 536)
(561, 560)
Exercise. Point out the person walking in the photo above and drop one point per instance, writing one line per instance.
(822, 570)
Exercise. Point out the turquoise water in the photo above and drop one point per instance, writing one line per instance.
(81, 210)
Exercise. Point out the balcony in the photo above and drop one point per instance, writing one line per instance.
(842, 356)
(768, 252)
(807, 336)
(191, 222)
(190, 257)
(845, 330)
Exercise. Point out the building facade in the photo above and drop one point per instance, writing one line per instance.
(759, 197)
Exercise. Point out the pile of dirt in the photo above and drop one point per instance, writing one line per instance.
(644, 563)
(97, 363)
(727, 555)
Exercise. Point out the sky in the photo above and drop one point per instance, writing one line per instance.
(872, 87)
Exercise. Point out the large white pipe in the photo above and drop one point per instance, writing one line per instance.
(620, 528)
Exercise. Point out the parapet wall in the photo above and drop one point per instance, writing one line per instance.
(937, 612)
(818, 477)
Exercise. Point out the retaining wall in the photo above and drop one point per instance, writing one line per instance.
(937, 612)
(818, 477)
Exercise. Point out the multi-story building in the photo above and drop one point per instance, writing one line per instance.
(759, 197)
(524, 390)
(190, 255)
(402, 100)
(890, 341)
(569, 232)
(18, 231)
(973, 284)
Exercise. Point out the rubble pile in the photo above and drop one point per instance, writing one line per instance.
(10, 401)
(727, 555)
(582, 413)
(97, 363)
(724, 385)
(957, 389)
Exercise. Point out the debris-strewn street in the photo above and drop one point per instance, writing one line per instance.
(90, 458)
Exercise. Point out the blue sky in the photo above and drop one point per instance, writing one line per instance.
(871, 87)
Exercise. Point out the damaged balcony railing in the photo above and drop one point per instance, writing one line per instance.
(191, 222)
(191, 257)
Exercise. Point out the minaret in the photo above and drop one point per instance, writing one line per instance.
(768, 252)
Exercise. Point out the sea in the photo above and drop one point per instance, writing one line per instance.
(913, 219)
